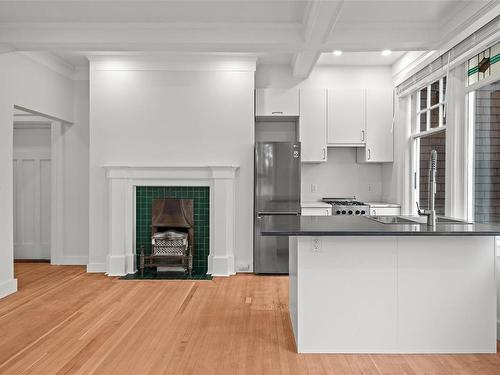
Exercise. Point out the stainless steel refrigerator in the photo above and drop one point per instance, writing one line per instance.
(277, 193)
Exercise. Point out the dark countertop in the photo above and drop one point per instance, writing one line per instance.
(363, 226)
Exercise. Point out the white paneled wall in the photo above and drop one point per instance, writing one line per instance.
(32, 191)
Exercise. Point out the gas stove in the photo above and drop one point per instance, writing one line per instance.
(347, 206)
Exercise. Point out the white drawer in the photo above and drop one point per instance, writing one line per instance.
(316, 211)
(385, 211)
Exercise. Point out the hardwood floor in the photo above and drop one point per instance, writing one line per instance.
(64, 321)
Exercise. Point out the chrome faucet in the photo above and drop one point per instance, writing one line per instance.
(430, 212)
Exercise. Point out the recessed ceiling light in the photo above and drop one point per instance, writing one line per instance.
(337, 52)
(386, 52)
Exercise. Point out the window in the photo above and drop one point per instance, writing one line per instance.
(436, 141)
(431, 109)
(429, 133)
(484, 65)
(486, 154)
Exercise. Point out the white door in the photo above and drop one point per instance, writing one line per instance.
(312, 125)
(346, 117)
(32, 194)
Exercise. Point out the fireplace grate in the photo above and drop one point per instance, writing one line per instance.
(170, 247)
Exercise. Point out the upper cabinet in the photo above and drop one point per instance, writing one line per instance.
(346, 117)
(379, 134)
(313, 125)
(276, 102)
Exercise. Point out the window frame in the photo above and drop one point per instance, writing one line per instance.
(417, 134)
(441, 104)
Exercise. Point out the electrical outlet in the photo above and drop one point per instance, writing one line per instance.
(316, 244)
(369, 187)
(314, 188)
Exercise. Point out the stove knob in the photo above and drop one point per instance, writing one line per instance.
(338, 212)
(363, 212)
(343, 212)
(357, 212)
(350, 212)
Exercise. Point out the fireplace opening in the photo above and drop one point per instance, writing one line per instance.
(172, 236)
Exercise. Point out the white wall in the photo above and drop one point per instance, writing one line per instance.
(76, 180)
(340, 175)
(49, 92)
(149, 115)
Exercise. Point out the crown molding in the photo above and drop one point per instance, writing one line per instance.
(128, 62)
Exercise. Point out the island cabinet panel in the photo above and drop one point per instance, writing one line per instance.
(393, 294)
(346, 295)
(447, 295)
(347, 117)
(312, 125)
(277, 102)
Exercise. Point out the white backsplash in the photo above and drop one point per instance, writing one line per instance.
(341, 176)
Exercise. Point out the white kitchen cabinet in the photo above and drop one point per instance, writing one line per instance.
(276, 102)
(346, 117)
(316, 209)
(384, 209)
(313, 124)
(379, 136)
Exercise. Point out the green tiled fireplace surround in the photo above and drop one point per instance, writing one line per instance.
(201, 196)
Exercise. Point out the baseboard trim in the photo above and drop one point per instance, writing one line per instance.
(8, 287)
(71, 260)
(96, 267)
(31, 260)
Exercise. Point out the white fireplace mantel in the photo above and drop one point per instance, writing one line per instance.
(121, 211)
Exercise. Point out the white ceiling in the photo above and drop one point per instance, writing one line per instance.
(359, 58)
(284, 31)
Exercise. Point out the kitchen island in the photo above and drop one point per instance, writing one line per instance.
(361, 286)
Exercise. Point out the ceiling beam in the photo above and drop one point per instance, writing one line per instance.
(193, 37)
(319, 23)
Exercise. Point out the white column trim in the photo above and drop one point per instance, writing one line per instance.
(122, 181)
(57, 194)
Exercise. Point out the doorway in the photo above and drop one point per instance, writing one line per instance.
(37, 186)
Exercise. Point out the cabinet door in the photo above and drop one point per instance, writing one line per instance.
(276, 102)
(312, 125)
(316, 211)
(379, 134)
(346, 117)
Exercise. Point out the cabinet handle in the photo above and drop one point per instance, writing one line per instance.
(277, 112)
(324, 153)
(369, 154)
(362, 135)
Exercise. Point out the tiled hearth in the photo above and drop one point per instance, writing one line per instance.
(144, 196)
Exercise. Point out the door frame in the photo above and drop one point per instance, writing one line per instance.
(57, 130)
(57, 192)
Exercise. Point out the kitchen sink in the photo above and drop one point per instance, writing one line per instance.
(450, 220)
(392, 220)
(414, 220)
